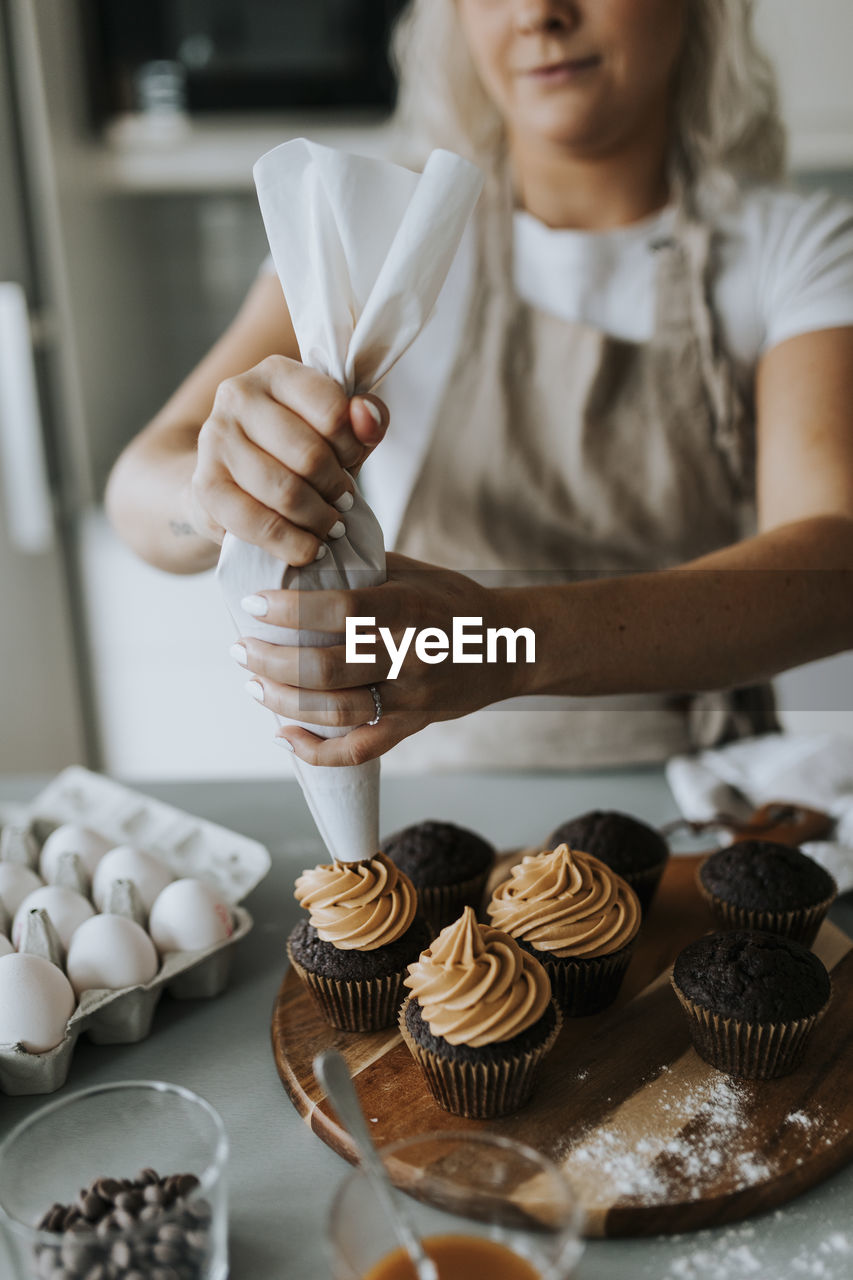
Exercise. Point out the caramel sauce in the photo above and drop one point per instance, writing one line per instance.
(457, 1258)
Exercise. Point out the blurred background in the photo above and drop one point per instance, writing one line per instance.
(129, 232)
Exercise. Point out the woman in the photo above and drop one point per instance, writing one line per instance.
(642, 362)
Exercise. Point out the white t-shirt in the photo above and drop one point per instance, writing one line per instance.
(782, 266)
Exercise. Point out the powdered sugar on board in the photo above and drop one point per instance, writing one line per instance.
(687, 1139)
(681, 1135)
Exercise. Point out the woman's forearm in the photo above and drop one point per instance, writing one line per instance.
(148, 502)
(739, 615)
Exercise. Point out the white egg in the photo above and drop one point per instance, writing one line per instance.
(16, 881)
(36, 1001)
(71, 838)
(188, 916)
(110, 951)
(149, 873)
(66, 908)
(6, 948)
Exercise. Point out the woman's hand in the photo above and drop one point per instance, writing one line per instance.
(319, 686)
(274, 457)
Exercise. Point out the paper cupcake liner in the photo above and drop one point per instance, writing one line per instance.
(442, 904)
(801, 925)
(362, 1004)
(479, 1090)
(584, 986)
(755, 1050)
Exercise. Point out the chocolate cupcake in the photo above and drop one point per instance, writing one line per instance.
(636, 852)
(577, 917)
(448, 865)
(479, 1019)
(751, 1000)
(758, 884)
(363, 931)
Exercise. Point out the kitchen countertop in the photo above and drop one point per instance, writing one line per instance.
(281, 1176)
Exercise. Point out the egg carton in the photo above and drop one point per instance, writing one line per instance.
(233, 864)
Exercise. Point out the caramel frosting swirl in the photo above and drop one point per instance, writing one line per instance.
(567, 903)
(358, 906)
(476, 986)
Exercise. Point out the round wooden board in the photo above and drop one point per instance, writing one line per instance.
(653, 1139)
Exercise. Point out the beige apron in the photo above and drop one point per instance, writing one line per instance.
(560, 452)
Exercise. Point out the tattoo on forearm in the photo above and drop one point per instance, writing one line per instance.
(181, 529)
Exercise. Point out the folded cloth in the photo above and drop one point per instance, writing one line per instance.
(814, 770)
(362, 248)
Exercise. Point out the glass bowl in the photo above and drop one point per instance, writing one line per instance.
(101, 1136)
(466, 1185)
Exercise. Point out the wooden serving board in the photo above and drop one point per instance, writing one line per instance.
(652, 1138)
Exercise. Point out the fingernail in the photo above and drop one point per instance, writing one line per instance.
(345, 501)
(254, 690)
(285, 742)
(373, 411)
(322, 550)
(337, 530)
(239, 654)
(257, 606)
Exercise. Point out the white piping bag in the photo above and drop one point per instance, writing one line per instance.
(362, 248)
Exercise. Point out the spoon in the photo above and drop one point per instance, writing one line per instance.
(333, 1075)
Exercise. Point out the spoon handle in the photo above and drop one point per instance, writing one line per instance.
(331, 1070)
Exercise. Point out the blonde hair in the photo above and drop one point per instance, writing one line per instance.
(726, 121)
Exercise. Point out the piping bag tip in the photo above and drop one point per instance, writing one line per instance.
(344, 803)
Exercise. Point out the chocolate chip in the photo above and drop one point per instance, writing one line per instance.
(186, 1182)
(170, 1233)
(130, 1201)
(106, 1188)
(153, 1194)
(166, 1253)
(77, 1255)
(170, 1188)
(54, 1219)
(124, 1219)
(197, 1241)
(147, 1176)
(121, 1254)
(92, 1206)
(200, 1211)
